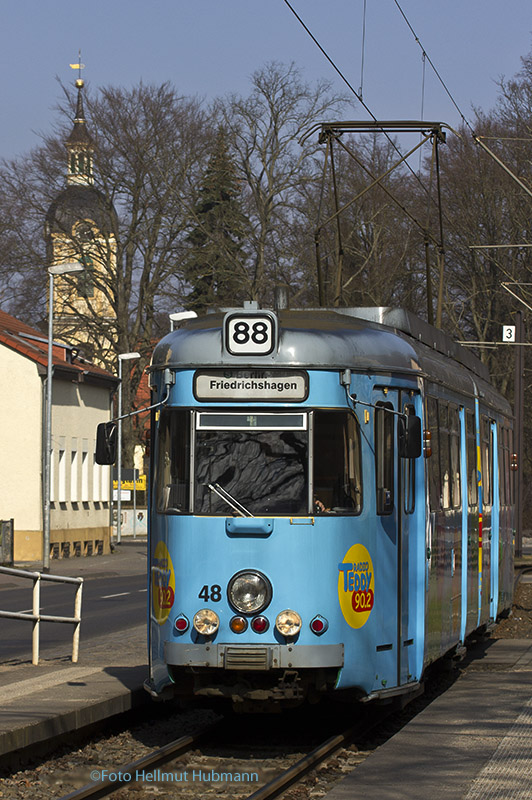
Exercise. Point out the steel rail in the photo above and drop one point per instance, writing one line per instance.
(125, 775)
(316, 756)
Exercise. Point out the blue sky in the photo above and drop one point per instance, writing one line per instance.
(211, 47)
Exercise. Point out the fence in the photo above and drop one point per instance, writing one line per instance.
(36, 617)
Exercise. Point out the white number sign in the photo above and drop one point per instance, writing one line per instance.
(508, 333)
(250, 335)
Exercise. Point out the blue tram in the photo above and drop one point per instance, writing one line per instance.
(331, 504)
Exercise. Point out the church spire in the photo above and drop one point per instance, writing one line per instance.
(79, 143)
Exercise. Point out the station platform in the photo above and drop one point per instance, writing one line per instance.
(474, 742)
(40, 703)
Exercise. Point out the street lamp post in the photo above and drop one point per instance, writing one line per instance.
(121, 357)
(180, 316)
(59, 269)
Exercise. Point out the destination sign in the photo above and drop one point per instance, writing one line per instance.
(245, 385)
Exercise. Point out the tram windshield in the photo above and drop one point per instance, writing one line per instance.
(261, 463)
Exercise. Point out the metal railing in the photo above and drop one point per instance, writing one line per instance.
(36, 617)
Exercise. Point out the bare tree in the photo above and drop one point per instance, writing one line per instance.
(265, 130)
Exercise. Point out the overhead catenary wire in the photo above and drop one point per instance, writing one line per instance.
(444, 85)
(351, 88)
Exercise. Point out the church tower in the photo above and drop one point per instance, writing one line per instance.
(81, 227)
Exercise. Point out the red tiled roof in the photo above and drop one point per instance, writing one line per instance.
(33, 344)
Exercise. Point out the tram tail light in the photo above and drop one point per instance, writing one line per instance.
(427, 443)
(260, 624)
(318, 625)
(181, 624)
(514, 464)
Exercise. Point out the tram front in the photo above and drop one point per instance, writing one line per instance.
(257, 494)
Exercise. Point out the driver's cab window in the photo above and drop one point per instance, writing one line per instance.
(173, 463)
(337, 473)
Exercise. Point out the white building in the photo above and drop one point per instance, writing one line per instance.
(80, 488)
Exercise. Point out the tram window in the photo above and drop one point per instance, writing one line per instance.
(504, 465)
(173, 462)
(508, 474)
(454, 425)
(263, 470)
(487, 460)
(384, 457)
(408, 475)
(337, 479)
(434, 460)
(445, 455)
(471, 454)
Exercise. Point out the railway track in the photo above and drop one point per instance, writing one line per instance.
(150, 764)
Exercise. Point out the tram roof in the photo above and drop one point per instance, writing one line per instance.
(369, 339)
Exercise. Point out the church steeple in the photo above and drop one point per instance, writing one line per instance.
(79, 144)
(81, 226)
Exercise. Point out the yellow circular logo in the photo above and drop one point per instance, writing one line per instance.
(163, 583)
(356, 586)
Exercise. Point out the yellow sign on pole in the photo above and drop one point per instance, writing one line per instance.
(139, 484)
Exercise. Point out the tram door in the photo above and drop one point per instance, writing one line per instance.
(396, 531)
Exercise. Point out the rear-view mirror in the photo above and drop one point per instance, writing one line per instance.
(409, 436)
(106, 443)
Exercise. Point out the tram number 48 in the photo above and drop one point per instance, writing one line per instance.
(212, 593)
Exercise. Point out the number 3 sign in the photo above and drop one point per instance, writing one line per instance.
(249, 334)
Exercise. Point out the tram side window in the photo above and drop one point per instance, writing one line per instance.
(486, 446)
(173, 463)
(409, 474)
(508, 473)
(337, 463)
(434, 460)
(471, 454)
(384, 458)
(454, 425)
(504, 467)
(445, 455)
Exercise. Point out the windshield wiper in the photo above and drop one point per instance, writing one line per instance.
(229, 499)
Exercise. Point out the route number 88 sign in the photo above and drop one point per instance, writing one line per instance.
(249, 334)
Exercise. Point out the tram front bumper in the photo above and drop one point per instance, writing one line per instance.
(254, 657)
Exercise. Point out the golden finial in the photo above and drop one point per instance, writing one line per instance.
(79, 66)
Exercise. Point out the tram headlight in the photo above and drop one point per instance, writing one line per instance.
(206, 622)
(288, 622)
(249, 592)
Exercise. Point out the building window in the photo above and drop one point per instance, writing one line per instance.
(86, 278)
(61, 475)
(105, 475)
(85, 472)
(74, 471)
(96, 480)
(52, 476)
